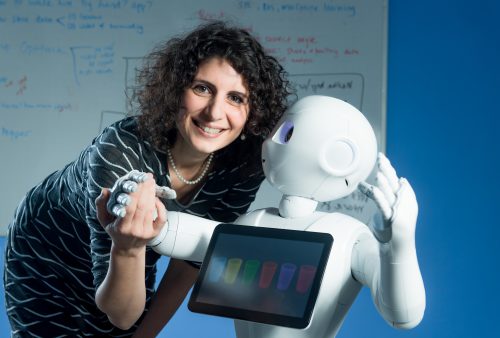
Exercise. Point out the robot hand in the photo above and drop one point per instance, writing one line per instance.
(397, 202)
(119, 198)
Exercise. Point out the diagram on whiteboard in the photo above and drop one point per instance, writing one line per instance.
(68, 69)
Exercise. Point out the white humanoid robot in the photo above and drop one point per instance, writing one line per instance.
(323, 149)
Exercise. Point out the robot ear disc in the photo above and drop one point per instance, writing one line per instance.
(339, 157)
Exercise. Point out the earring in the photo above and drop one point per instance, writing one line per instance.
(243, 137)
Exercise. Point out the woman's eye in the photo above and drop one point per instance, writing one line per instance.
(201, 89)
(236, 99)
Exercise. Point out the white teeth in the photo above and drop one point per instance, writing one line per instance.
(211, 130)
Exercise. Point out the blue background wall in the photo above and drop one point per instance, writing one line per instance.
(443, 121)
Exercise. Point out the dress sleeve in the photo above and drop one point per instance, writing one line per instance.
(237, 199)
(113, 154)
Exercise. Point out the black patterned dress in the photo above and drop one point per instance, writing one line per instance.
(57, 253)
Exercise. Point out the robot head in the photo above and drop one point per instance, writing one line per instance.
(321, 149)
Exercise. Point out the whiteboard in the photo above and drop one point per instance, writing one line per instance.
(67, 65)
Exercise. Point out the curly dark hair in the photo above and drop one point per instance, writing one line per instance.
(171, 67)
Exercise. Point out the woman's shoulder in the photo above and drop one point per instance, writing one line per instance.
(125, 127)
(121, 134)
(122, 140)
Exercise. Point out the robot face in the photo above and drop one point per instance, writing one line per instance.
(321, 149)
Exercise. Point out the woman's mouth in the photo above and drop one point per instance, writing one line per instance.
(208, 130)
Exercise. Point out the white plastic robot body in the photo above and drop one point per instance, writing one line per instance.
(356, 259)
(394, 281)
(323, 149)
(184, 236)
(338, 288)
(187, 237)
(320, 150)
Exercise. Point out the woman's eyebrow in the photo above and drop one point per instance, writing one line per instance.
(212, 86)
(244, 94)
(202, 81)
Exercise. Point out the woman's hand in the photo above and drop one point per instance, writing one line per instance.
(139, 214)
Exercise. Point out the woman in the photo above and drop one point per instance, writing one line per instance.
(207, 101)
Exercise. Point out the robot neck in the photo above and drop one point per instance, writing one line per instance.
(295, 206)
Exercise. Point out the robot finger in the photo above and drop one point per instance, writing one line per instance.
(385, 187)
(165, 192)
(366, 189)
(123, 199)
(378, 197)
(385, 166)
(129, 186)
(137, 176)
(118, 210)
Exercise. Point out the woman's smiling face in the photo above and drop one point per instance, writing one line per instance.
(214, 108)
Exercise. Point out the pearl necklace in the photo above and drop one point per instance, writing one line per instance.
(181, 178)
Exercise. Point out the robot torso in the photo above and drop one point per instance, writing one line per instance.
(338, 289)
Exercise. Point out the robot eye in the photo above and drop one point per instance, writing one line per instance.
(288, 135)
(284, 133)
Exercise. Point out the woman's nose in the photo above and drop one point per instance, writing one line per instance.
(215, 109)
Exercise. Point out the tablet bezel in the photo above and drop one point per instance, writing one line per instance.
(257, 316)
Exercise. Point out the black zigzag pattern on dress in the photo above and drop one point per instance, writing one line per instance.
(57, 253)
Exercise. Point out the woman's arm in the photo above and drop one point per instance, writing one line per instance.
(173, 288)
(122, 294)
(118, 246)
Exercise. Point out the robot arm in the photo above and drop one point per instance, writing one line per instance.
(184, 236)
(388, 265)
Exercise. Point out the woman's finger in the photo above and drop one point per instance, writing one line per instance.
(161, 217)
(103, 216)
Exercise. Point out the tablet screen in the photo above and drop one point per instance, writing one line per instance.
(261, 274)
